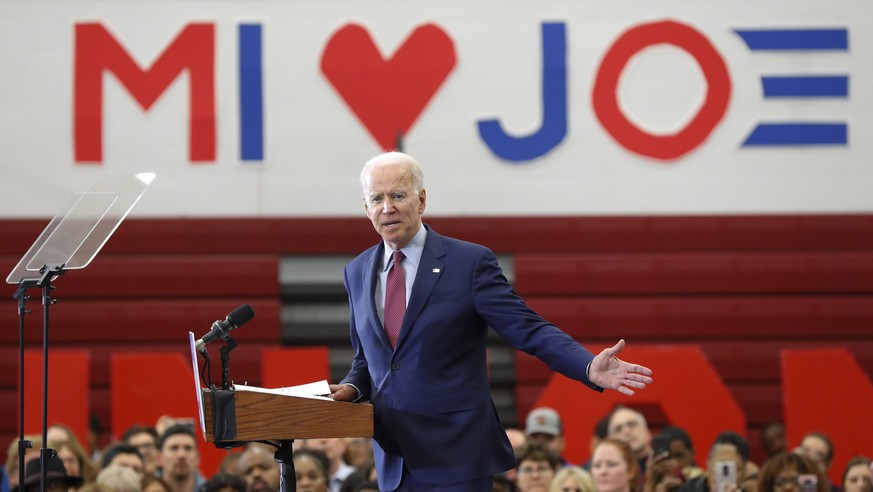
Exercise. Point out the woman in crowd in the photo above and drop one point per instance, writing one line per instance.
(536, 467)
(76, 461)
(572, 479)
(614, 467)
(792, 472)
(311, 467)
(857, 476)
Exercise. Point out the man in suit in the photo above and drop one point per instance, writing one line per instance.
(419, 322)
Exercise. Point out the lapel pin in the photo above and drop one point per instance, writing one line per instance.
(436, 270)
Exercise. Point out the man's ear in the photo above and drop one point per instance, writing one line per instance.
(422, 197)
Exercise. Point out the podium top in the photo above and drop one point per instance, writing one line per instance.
(82, 226)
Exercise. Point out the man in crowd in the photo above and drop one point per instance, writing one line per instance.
(629, 425)
(260, 469)
(544, 425)
(179, 458)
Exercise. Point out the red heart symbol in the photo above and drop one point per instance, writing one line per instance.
(387, 95)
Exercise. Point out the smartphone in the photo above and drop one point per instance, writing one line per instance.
(661, 445)
(725, 476)
(807, 482)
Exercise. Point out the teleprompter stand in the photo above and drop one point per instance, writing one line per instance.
(70, 241)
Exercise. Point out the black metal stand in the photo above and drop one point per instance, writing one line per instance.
(225, 362)
(285, 457)
(23, 445)
(49, 273)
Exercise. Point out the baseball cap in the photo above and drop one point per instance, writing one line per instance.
(543, 420)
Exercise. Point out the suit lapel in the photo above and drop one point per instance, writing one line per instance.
(370, 275)
(430, 268)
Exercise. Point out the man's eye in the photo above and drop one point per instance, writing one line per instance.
(398, 196)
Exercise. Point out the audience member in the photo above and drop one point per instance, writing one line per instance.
(75, 460)
(226, 482)
(516, 437)
(792, 472)
(337, 469)
(544, 425)
(119, 478)
(536, 465)
(144, 439)
(728, 447)
(600, 432)
(615, 467)
(311, 466)
(773, 439)
(359, 451)
(818, 448)
(12, 470)
(260, 470)
(572, 479)
(57, 479)
(95, 438)
(629, 425)
(179, 458)
(858, 476)
(123, 455)
(672, 461)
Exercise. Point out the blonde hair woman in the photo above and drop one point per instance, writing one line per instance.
(572, 479)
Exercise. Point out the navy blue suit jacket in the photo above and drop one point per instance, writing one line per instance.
(430, 394)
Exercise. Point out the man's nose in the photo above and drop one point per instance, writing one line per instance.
(387, 206)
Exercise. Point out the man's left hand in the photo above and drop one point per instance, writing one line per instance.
(608, 371)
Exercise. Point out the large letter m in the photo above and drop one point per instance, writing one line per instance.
(97, 50)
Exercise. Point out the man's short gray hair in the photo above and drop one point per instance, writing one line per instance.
(391, 158)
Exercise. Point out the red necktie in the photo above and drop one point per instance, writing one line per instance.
(395, 298)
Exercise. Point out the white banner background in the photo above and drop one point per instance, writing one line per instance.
(314, 145)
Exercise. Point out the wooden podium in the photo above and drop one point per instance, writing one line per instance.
(232, 418)
(237, 416)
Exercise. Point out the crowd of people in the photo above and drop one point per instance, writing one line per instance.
(625, 457)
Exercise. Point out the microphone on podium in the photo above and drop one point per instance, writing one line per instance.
(221, 328)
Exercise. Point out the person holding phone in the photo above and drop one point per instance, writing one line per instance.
(672, 461)
(725, 467)
(792, 472)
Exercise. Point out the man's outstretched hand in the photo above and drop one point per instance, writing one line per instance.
(343, 392)
(608, 371)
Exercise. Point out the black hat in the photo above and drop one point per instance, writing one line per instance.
(54, 471)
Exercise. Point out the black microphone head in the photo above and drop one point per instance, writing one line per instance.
(241, 315)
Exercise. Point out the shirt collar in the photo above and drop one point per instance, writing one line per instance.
(411, 251)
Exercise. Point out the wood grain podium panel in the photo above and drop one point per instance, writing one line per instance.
(263, 416)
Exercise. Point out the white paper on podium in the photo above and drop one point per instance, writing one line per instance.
(314, 390)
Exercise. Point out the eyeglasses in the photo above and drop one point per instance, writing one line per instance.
(807, 482)
(530, 470)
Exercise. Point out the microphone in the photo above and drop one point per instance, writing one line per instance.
(220, 328)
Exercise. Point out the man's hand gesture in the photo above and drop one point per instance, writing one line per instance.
(608, 371)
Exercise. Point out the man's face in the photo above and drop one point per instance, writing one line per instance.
(147, 447)
(627, 425)
(551, 441)
(816, 449)
(680, 452)
(260, 471)
(392, 205)
(131, 461)
(179, 457)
